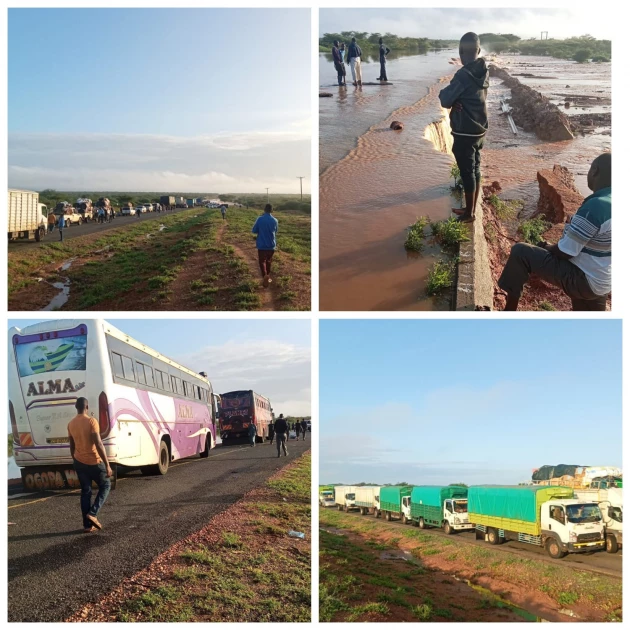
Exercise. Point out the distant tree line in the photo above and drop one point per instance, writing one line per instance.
(369, 41)
(581, 49)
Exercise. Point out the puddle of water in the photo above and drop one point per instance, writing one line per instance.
(396, 554)
(64, 289)
(503, 603)
(333, 530)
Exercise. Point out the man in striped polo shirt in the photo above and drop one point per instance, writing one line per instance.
(580, 262)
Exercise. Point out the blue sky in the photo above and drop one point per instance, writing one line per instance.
(446, 401)
(185, 99)
(269, 356)
(452, 23)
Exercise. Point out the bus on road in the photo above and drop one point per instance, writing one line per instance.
(151, 410)
(239, 409)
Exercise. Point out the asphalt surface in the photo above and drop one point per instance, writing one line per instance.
(55, 569)
(92, 227)
(595, 561)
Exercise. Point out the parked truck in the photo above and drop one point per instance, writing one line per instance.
(84, 207)
(367, 499)
(327, 496)
(610, 502)
(190, 203)
(25, 217)
(394, 502)
(545, 516)
(167, 202)
(67, 210)
(440, 506)
(345, 498)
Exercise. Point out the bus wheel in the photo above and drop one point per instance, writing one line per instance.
(162, 466)
(611, 544)
(206, 450)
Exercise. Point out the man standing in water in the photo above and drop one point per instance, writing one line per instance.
(383, 51)
(338, 61)
(579, 263)
(354, 61)
(90, 463)
(265, 228)
(465, 96)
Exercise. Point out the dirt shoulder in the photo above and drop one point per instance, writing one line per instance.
(241, 567)
(376, 572)
(179, 263)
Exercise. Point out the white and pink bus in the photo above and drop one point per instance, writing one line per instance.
(151, 410)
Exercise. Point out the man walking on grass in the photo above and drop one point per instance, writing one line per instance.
(354, 61)
(579, 263)
(265, 229)
(281, 429)
(90, 463)
(465, 96)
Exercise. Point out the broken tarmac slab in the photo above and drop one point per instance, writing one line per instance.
(474, 290)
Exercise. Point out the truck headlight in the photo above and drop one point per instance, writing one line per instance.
(457, 521)
(572, 537)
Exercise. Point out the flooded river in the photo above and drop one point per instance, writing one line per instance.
(375, 182)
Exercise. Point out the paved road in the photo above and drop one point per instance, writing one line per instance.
(596, 561)
(93, 227)
(54, 568)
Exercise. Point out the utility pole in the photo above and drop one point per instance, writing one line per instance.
(301, 178)
(545, 33)
(267, 189)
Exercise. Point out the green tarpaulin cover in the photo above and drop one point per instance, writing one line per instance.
(436, 495)
(394, 494)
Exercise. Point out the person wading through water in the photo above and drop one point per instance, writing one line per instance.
(338, 63)
(265, 229)
(383, 51)
(90, 463)
(354, 61)
(579, 263)
(465, 96)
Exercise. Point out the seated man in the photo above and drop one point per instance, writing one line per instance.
(579, 263)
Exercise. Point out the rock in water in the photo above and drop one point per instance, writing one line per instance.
(324, 94)
(559, 198)
(396, 125)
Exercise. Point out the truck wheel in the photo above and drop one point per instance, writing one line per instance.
(553, 548)
(375, 513)
(611, 544)
(345, 508)
(404, 519)
(39, 234)
(447, 528)
(421, 523)
(493, 536)
(388, 516)
(340, 507)
(362, 511)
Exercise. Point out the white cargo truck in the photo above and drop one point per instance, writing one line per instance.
(345, 498)
(366, 499)
(610, 501)
(25, 216)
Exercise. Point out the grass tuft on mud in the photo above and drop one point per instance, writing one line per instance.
(441, 276)
(450, 232)
(532, 230)
(415, 235)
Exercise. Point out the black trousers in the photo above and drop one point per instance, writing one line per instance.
(383, 76)
(467, 153)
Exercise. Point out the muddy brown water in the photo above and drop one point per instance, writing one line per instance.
(374, 185)
(386, 181)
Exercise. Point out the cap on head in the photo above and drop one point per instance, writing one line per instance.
(469, 46)
(81, 405)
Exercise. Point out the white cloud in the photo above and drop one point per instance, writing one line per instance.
(278, 370)
(238, 162)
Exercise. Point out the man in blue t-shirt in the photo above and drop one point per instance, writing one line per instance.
(265, 230)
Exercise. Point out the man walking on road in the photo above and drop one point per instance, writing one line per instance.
(383, 51)
(271, 433)
(354, 61)
(51, 222)
(90, 463)
(251, 434)
(281, 428)
(303, 425)
(61, 224)
(265, 229)
(580, 262)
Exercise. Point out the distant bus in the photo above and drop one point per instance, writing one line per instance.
(151, 410)
(239, 409)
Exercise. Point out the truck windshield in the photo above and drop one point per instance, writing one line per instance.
(460, 506)
(587, 513)
(350, 497)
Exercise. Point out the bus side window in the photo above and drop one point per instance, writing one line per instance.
(128, 367)
(148, 370)
(166, 381)
(159, 383)
(118, 365)
(140, 371)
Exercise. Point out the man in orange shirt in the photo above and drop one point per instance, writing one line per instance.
(90, 463)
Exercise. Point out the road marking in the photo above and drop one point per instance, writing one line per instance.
(54, 496)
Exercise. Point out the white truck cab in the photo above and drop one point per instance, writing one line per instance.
(327, 498)
(456, 516)
(345, 498)
(610, 502)
(573, 524)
